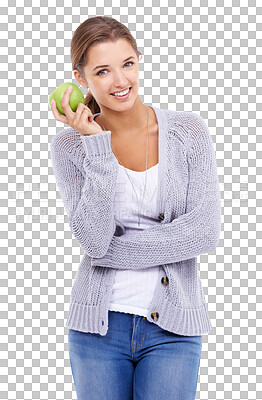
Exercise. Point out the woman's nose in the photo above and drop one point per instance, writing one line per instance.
(120, 80)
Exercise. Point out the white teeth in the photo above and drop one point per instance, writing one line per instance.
(121, 93)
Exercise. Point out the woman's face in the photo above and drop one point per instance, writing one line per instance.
(121, 72)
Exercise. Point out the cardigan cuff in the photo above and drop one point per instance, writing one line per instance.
(97, 144)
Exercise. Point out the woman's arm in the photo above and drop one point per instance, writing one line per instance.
(191, 234)
(88, 196)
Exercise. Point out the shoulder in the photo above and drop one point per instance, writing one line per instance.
(201, 145)
(65, 139)
(188, 127)
(186, 119)
(195, 132)
(66, 142)
(192, 123)
(196, 124)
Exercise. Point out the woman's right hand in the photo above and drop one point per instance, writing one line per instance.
(81, 120)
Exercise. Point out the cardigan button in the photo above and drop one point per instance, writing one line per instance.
(165, 280)
(161, 216)
(155, 316)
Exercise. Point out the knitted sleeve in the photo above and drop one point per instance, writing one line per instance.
(191, 234)
(87, 186)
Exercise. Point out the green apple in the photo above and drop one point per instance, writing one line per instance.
(76, 96)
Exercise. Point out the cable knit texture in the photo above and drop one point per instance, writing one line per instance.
(189, 200)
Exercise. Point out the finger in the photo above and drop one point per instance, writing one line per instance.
(78, 114)
(57, 115)
(65, 103)
(86, 117)
(82, 113)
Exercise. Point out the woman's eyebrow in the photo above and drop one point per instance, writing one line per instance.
(101, 66)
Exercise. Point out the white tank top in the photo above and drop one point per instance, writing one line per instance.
(133, 289)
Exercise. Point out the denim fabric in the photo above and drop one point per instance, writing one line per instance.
(135, 360)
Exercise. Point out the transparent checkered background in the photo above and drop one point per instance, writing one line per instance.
(205, 58)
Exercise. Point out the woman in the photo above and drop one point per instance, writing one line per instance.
(140, 187)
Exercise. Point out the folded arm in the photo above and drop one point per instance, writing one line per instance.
(191, 234)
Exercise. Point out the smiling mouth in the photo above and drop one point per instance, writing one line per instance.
(121, 91)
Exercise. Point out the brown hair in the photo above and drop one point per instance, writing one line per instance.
(96, 30)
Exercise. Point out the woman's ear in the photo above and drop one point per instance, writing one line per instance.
(79, 79)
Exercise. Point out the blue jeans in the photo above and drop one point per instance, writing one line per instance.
(135, 360)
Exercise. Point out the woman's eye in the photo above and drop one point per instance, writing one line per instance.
(129, 62)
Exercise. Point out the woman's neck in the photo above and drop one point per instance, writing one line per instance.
(128, 125)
